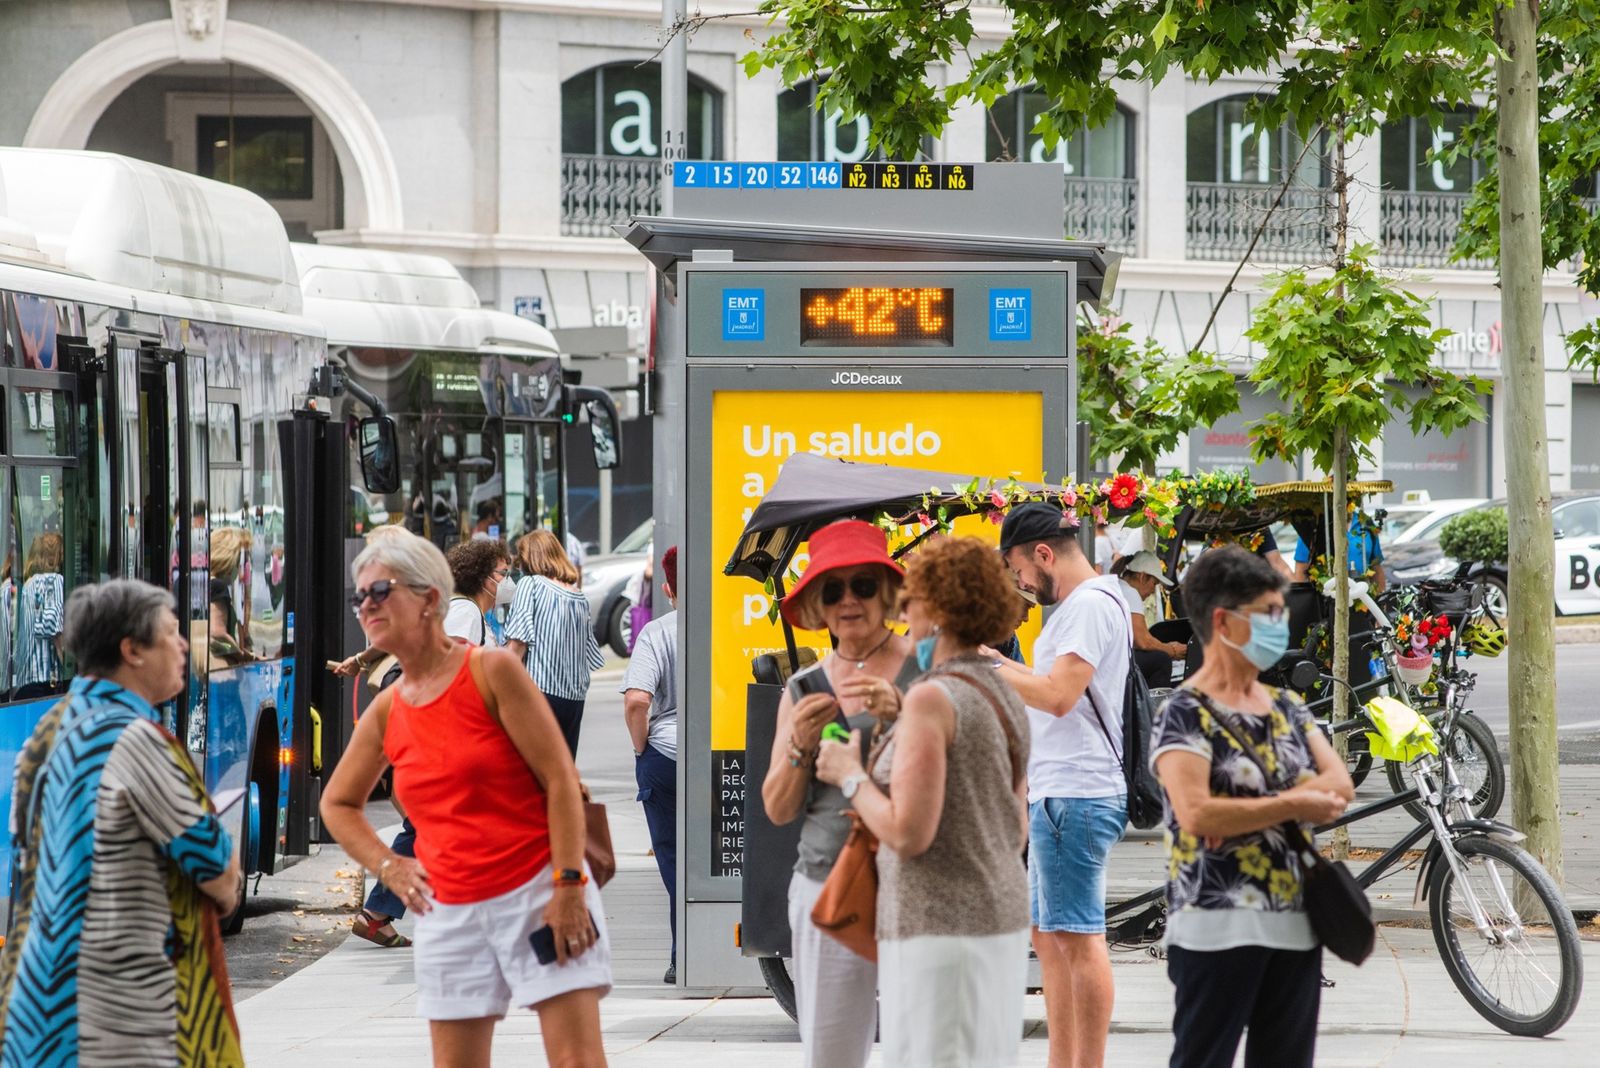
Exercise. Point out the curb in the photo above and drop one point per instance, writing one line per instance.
(1578, 634)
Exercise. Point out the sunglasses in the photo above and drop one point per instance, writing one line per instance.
(865, 587)
(377, 593)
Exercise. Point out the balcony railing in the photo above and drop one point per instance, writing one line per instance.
(1419, 230)
(1223, 219)
(1103, 209)
(598, 191)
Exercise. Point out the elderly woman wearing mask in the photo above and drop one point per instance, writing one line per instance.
(121, 859)
(849, 589)
(1239, 760)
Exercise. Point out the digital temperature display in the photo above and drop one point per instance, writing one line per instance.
(877, 316)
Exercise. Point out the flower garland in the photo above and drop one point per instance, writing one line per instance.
(1129, 497)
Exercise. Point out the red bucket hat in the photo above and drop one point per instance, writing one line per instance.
(847, 543)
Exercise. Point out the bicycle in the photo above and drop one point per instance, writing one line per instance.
(1504, 932)
(1474, 749)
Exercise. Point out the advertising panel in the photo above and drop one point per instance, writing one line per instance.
(752, 433)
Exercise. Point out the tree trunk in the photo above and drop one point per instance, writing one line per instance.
(1337, 521)
(1535, 768)
(1337, 524)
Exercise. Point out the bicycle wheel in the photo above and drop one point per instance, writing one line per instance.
(1526, 974)
(1475, 754)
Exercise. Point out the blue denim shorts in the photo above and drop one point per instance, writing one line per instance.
(1069, 839)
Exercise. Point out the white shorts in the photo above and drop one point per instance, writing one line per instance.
(474, 960)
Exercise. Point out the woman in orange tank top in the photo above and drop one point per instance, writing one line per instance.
(492, 790)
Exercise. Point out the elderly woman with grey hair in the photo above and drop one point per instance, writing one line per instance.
(117, 844)
(507, 912)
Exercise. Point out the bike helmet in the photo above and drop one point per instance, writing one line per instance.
(1484, 638)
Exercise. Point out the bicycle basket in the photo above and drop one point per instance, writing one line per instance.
(1453, 602)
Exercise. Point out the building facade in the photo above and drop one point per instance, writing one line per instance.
(509, 136)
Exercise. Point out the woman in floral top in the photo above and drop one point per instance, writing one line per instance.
(1240, 949)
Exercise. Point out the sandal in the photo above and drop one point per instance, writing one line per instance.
(368, 926)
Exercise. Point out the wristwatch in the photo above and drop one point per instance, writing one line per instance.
(851, 785)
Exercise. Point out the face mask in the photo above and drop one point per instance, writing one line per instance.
(505, 593)
(925, 648)
(1268, 640)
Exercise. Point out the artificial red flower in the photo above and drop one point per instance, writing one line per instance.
(1124, 491)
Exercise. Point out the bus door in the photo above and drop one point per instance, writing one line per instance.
(535, 479)
(159, 463)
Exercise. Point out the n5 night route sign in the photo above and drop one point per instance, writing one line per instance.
(709, 174)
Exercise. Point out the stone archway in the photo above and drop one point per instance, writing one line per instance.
(70, 108)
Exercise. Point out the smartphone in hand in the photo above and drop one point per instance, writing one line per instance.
(809, 682)
(543, 942)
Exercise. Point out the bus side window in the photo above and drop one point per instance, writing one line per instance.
(37, 665)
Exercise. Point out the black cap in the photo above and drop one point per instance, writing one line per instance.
(1031, 522)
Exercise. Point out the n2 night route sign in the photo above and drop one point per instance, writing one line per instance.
(915, 177)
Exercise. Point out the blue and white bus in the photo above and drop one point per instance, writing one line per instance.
(168, 411)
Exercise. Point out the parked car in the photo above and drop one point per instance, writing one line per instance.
(606, 580)
(1418, 518)
(1576, 523)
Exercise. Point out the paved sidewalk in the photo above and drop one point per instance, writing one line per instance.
(356, 1005)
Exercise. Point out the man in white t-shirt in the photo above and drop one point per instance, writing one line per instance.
(1077, 795)
(650, 707)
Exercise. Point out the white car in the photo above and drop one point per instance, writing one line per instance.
(605, 584)
(1422, 519)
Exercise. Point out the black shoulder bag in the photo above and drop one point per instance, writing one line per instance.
(1338, 908)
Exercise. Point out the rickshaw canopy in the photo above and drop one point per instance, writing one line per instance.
(812, 491)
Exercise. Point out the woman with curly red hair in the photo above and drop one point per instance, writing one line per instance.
(945, 797)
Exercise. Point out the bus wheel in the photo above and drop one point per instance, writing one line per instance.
(776, 974)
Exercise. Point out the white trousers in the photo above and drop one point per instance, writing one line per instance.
(949, 1000)
(835, 990)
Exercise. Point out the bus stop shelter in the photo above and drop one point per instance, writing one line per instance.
(842, 323)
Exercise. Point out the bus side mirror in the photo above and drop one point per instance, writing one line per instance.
(603, 432)
(380, 454)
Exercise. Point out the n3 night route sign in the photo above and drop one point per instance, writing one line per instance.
(708, 174)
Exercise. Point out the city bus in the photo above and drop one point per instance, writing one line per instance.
(171, 413)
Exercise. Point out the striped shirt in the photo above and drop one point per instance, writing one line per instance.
(554, 623)
(43, 598)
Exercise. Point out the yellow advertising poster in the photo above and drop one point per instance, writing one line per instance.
(753, 433)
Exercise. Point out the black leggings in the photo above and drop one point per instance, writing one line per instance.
(1274, 992)
(569, 716)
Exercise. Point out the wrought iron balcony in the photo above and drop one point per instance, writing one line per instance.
(598, 191)
(1103, 209)
(1419, 230)
(1224, 217)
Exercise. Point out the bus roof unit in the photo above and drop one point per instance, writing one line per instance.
(370, 298)
(146, 228)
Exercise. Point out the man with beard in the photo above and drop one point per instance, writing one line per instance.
(1077, 799)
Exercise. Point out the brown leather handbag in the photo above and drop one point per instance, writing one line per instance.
(597, 851)
(847, 908)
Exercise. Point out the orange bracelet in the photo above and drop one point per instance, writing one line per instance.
(570, 877)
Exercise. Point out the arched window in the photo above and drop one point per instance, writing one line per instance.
(804, 133)
(1226, 147)
(615, 110)
(1102, 152)
(1408, 145)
